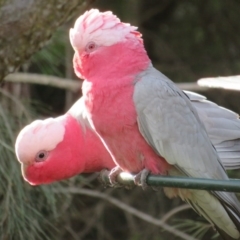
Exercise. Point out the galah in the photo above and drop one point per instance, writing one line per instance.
(143, 119)
(59, 148)
(41, 145)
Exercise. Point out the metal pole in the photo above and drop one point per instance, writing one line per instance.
(125, 179)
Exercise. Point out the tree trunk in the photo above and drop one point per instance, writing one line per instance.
(27, 25)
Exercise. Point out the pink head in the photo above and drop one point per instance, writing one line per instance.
(59, 148)
(101, 40)
(49, 150)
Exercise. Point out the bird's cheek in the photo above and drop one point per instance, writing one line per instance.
(24, 171)
(78, 61)
(26, 176)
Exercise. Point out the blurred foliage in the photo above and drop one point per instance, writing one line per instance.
(21, 206)
(196, 229)
(196, 38)
(50, 61)
(186, 40)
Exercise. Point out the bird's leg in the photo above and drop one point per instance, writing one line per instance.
(113, 175)
(141, 178)
(112, 179)
(102, 177)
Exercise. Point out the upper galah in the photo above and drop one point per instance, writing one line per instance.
(144, 120)
(41, 145)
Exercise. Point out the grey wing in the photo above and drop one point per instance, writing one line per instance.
(222, 126)
(78, 111)
(171, 126)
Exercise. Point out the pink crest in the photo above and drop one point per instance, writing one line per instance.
(104, 28)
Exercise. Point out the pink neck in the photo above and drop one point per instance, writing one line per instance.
(89, 152)
(90, 155)
(97, 157)
(114, 62)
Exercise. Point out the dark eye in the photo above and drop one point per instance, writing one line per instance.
(41, 156)
(91, 46)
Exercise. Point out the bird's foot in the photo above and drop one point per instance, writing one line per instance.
(141, 178)
(109, 179)
(113, 175)
(103, 177)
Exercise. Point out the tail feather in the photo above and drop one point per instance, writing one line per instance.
(222, 209)
(236, 220)
(223, 234)
(216, 212)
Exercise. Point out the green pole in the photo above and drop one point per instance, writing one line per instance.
(125, 179)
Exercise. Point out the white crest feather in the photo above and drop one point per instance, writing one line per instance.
(103, 28)
(39, 135)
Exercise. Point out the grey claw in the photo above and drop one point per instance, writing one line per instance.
(113, 175)
(141, 178)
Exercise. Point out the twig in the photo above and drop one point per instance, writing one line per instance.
(191, 87)
(230, 82)
(91, 221)
(125, 207)
(17, 102)
(73, 233)
(68, 84)
(72, 85)
(129, 217)
(175, 211)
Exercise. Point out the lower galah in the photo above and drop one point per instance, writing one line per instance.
(58, 148)
(143, 119)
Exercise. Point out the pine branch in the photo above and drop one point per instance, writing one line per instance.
(127, 208)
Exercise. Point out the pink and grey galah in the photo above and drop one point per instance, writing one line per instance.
(143, 119)
(58, 148)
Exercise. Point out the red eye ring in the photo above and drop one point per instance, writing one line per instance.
(41, 156)
(90, 47)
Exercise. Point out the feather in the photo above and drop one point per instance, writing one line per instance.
(167, 120)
